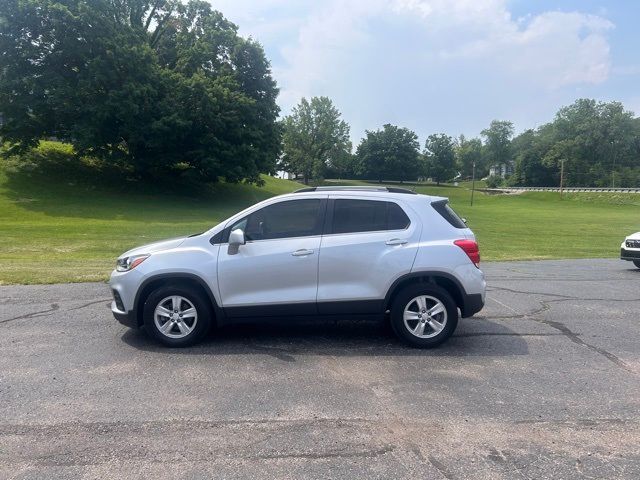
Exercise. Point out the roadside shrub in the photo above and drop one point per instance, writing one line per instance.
(46, 155)
(58, 161)
(512, 181)
(494, 181)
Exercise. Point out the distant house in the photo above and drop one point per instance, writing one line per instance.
(285, 175)
(502, 170)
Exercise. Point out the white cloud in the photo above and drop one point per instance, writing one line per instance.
(552, 48)
(413, 62)
(265, 19)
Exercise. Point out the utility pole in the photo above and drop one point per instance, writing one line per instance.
(473, 181)
(561, 177)
(613, 167)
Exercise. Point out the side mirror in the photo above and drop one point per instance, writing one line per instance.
(464, 220)
(236, 238)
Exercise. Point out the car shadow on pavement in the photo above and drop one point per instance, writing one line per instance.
(476, 336)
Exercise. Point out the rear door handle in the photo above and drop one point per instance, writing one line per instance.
(303, 252)
(396, 241)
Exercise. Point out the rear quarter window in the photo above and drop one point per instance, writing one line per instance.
(446, 212)
(357, 215)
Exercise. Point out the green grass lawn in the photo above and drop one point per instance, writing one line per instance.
(537, 225)
(52, 231)
(55, 232)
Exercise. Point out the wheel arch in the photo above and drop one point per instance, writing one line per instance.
(445, 280)
(183, 279)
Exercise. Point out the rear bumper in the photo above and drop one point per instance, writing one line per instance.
(472, 304)
(629, 254)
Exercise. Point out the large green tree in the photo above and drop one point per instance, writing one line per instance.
(391, 153)
(595, 139)
(156, 86)
(440, 157)
(528, 149)
(345, 165)
(314, 136)
(598, 142)
(498, 142)
(468, 153)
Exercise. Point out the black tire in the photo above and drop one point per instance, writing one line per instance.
(637, 263)
(199, 302)
(401, 301)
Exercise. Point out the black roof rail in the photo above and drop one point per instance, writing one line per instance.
(400, 190)
(356, 189)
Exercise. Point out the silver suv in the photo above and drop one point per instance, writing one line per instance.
(318, 251)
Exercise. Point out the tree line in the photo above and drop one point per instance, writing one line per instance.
(598, 142)
(168, 88)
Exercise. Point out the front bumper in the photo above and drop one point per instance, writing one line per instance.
(124, 285)
(627, 254)
(127, 319)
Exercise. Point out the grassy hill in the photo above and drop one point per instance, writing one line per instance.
(52, 230)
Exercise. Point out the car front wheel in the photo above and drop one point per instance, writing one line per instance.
(636, 263)
(176, 316)
(424, 315)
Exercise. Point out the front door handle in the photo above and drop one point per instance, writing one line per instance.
(396, 241)
(303, 252)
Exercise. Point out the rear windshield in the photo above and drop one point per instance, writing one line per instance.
(443, 208)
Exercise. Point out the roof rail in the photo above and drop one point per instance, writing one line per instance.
(356, 189)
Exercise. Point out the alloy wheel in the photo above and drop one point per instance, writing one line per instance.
(425, 316)
(175, 316)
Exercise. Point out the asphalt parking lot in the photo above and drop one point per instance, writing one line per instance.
(543, 383)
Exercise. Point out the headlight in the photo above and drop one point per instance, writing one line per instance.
(129, 263)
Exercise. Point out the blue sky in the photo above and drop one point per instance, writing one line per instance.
(447, 66)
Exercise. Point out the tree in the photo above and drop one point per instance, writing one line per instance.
(345, 165)
(159, 87)
(595, 139)
(314, 135)
(528, 149)
(468, 153)
(440, 157)
(390, 154)
(598, 142)
(498, 142)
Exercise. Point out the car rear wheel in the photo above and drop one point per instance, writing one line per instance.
(176, 316)
(424, 315)
(636, 263)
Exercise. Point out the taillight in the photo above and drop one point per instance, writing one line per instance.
(471, 249)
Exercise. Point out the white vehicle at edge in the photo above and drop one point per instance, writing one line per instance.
(324, 251)
(630, 249)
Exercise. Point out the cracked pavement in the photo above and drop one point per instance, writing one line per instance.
(543, 383)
